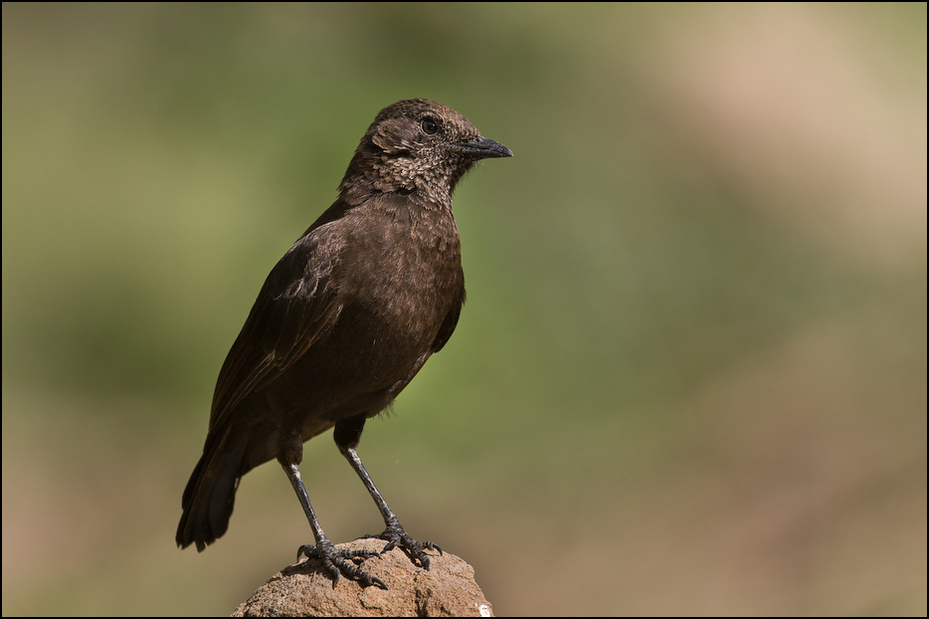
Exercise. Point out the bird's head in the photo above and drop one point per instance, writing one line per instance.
(418, 146)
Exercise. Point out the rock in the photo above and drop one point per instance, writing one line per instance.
(448, 589)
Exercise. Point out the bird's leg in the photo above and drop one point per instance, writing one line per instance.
(335, 561)
(347, 433)
(394, 533)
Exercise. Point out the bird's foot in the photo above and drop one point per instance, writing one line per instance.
(341, 562)
(395, 536)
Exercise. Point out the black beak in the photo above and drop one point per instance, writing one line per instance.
(484, 148)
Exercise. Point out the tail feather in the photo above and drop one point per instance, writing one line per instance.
(210, 494)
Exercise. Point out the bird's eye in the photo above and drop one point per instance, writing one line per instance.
(429, 126)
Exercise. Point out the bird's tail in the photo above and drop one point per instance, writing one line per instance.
(210, 493)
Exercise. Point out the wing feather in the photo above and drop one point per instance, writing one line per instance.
(296, 304)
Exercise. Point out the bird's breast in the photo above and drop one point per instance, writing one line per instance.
(408, 281)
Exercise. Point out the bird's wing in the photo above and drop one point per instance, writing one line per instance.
(448, 325)
(295, 305)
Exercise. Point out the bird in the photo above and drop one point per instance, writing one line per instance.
(343, 322)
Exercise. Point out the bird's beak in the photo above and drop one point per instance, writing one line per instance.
(484, 148)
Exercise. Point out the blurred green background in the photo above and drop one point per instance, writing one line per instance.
(691, 374)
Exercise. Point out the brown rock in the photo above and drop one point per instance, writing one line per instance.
(448, 589)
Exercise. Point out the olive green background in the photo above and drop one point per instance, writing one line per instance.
(690, 377)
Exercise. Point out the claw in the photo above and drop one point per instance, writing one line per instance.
(338, 562)
(395, 536)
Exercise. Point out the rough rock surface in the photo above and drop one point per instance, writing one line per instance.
(448, 589)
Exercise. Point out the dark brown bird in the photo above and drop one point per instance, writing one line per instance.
(343, 323)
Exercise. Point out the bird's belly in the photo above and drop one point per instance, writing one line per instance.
(358, 366)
